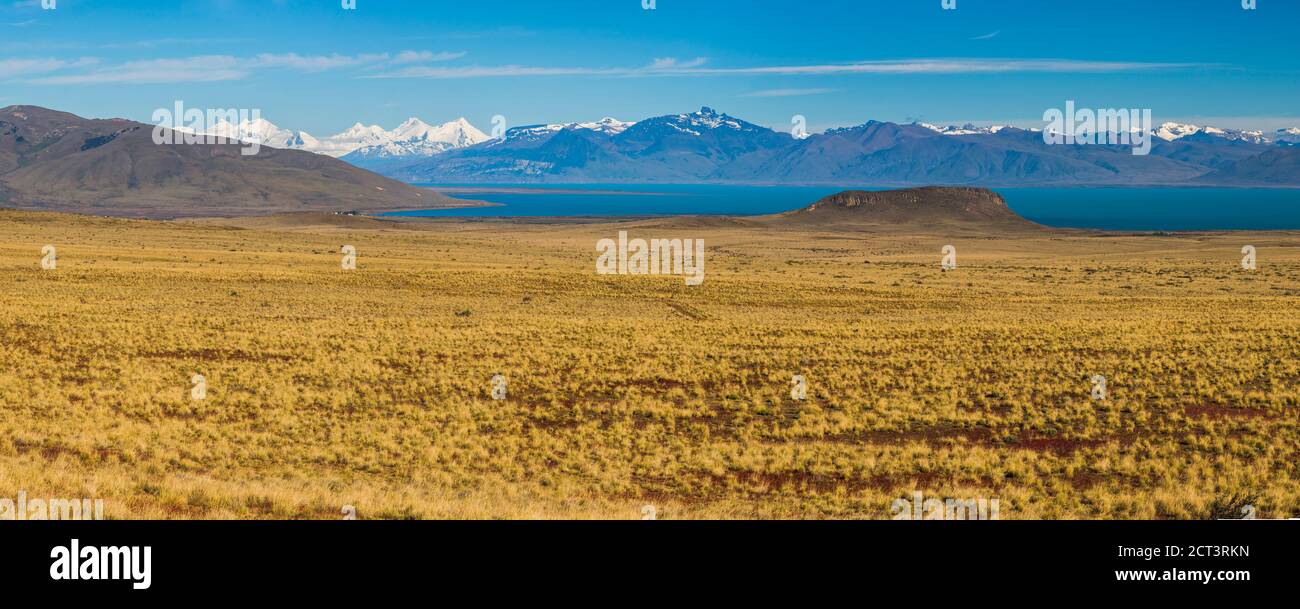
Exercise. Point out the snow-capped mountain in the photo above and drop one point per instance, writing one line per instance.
(709, 146)
(355, 137)
(534, 133)
(268, 134)
(1172, 131)
(1289, 136)
(607, 125)
(415, 138)
(706, 120)
(1238, 135)
(1177, 131)
(673, 147)
(1168, 132)
(261, 131)
(456, 134)
(967, 129)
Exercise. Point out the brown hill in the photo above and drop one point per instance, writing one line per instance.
(911, 208)
(58, 161)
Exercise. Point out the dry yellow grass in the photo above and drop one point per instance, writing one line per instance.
(372, 388)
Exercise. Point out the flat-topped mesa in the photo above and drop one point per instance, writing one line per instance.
(912, 206)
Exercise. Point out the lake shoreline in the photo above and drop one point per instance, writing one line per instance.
(1100, 208)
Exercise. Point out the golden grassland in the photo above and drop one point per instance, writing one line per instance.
(372, 387)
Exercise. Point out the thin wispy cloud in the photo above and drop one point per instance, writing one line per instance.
(415, 64)
(498, 33)
(662, 65)
(10, 68)
(496, 71)
(315, 63)
(947, 66)
(426, 56)
(671, 63)
(216, 68)
(669, 67)
(788, 92)
(987, 36)
(211, 68)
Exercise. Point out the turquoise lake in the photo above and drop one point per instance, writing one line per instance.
(1143, 209)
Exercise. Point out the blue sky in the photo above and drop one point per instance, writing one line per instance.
(310, 65)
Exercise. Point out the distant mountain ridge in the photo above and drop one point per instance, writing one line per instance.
(1276, 167)
(52, 160)
(413, 138)
(711, 146)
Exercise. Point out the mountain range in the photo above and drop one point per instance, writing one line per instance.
(413, 139)
(710, 146)
(52, 160)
